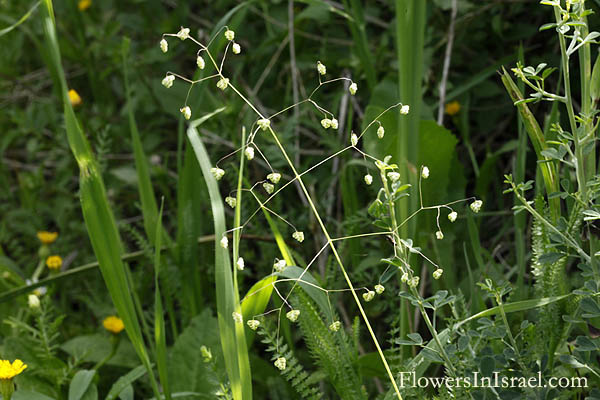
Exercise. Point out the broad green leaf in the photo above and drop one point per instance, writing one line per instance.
(125, 382)
(80, 383)
(187, 369)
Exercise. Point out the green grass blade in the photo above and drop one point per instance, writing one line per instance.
(21, 20)
(255, 302)
(125, 381)
(283, 248)
(98, 216)
(233, 340)
(410, 33)
(514, 307)
(159, 320)
(190, 219)
(149, 207)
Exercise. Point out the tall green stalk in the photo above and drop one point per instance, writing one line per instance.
(233, 339)
(410, 33)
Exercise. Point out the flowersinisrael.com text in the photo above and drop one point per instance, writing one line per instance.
(410, 379)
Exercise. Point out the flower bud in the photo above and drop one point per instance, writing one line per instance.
(279, 265)
(231, 201)
(249, 152)
(380, 132)
(164, 46)
(476, 206)
(437, 274)
(229, 35)
(413, 282)
(326, 123)
(237, 317)
(206, 353)
(263, 123)
(34, 301)
(223, 83)
(240, 264)
(452, 216)
(168, 81)
(280, 363)
(186, 111)
(299, 236)
(334, 123)
(293, 315)
(335, 326)
(368, 179)
(354, 139)
(274, 177)
(217, 173)
(183, 33)
(353, 88)
(321, 68)
(269, 188)
(224, 242)
(236, 48)
(200, 62)
(253, 324)
(368, 296)
(439, 235)
(425, 172)
(379, 288)
(404, 109)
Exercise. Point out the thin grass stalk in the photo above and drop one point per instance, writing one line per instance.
(98, 216)
(159, 320)
(580, 170)
(520, 219)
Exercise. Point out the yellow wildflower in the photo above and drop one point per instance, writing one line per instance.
(452, 108)
(113, 324)
(74, 98)
(9, 371)
(84, 4)
(47, 237)
(54, 262)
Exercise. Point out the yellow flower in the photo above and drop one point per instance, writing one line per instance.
(47, 237)
(452, 108)
(54, 262)
(113, 324)
(9, 371)
(74, 98)
(84, 4)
